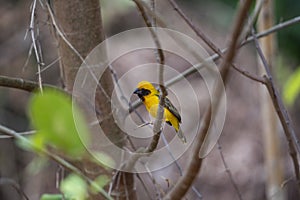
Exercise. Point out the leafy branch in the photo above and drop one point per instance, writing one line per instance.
(52, 156)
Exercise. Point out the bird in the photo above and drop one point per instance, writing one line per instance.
(150, 97)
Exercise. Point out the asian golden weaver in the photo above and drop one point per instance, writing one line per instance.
(150, 97)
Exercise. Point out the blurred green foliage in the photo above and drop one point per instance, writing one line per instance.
(52, 197)
(58, 124)
(289, 38)
(292, 88)
(75, 188)
(99, 182)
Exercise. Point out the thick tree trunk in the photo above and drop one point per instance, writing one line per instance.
(81, 23)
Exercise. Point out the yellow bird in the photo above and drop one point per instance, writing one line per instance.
(150, 97)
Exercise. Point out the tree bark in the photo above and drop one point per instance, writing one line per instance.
(81, 23)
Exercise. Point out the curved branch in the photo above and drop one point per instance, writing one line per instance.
(194, 166)
(15, 185)
(54, 157)
(23, 84)
(292, 139)
(161, 61)
(194, 69)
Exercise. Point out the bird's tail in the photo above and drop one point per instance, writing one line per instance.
(181, 135)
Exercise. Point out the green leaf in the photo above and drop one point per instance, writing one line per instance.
(74, 187)
(52, 197)
(292, 88)
(52, 116)
(98, 183)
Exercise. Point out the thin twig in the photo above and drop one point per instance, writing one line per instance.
(54, 157)
(161, 61)
(178, 166)
(153, 9)
(26, 133)
(61, 34)
(253, 18)
(15, 185)
(286, 124)
(273, 29)
(193, 69)
(249, 75)
(159, 117)
(156, 186)
(281, 111)
(122, 97)
(36, 50)
(229, 172)
(209, 43)
(28, 55)
(50, 65)
(184, 183)
(196, 30)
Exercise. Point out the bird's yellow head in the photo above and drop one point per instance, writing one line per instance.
(145, 88)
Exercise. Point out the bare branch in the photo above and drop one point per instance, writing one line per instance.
(212, 46)
(26, 133)
(193, 69)
(195, 163)
(15, 185)
(50, 65)
(229, 172)
(161, 61)
(281, 111)
(273, 29)
(36, 49)
(209, 43)
(23, 84)
(252, 18)
(196, 30)
(249, 75)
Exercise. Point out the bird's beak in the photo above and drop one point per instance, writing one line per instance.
(137, 91)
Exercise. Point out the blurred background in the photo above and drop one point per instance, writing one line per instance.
(241, 139)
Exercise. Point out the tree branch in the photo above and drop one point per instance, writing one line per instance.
(161, 61)
(15, 185)
(209, 43)
(281, 111)
(195, 163)
(23, 84)
(194, 69)
(35, 47)
(229, 172)
(268, 83)
(54, 157)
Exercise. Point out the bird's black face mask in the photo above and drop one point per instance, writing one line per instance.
(141, 93)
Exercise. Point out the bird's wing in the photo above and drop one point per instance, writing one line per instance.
(172, 109)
